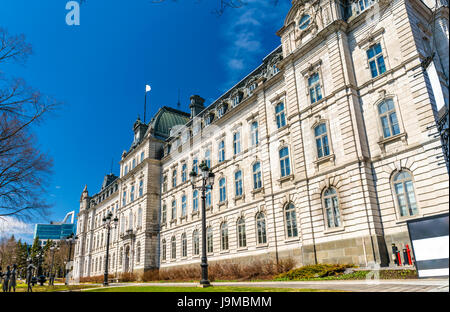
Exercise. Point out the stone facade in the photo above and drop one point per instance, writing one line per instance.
(327, 149)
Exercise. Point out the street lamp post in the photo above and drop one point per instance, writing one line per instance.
(207, 184)
(107, 224)
(52, 277)
(70, 240)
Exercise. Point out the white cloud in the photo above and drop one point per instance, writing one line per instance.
(12, 226)
(57, 187)
(245, 29)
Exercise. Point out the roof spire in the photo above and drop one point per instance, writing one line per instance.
(178, 104)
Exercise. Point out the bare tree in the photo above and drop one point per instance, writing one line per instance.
(24, 170)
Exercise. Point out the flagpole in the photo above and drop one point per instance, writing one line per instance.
(145, 105)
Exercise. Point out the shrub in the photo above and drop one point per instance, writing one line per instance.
(127, 277)
(98, 279)
(314, 271)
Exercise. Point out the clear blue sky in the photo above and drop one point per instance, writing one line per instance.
(99, 70)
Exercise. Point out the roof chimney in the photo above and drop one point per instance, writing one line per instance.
(196, 105)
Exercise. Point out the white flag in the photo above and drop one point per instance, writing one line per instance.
(147, 88)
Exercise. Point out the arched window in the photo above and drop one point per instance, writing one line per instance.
(321, 136)
(224, 236)
(222, 190)
(331, 204)
(164, 214)
(183, 205)
(238, 183)
(195, 243)
(388, 118)
(209, 239)
(120, 256)
(285, 165)
(174, 209)
(183, 245)
(257, 182)
(242, 238)
(261, 228)
(174, 247)
(404, 193)
(163, 250)
(291, 220)
(195, 201)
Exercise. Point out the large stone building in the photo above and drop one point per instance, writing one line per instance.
(321, 154)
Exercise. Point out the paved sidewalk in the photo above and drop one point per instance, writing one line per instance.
(417, 285)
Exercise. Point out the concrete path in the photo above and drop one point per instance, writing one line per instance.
(416, 285)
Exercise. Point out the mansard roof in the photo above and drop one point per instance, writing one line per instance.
(165, 119)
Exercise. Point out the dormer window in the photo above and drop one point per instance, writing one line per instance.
(303, 23)
(222, 110)
(275, 69)
(209, 119)
(237, 99)
(252, 88)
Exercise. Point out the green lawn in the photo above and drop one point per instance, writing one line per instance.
(23, 288)
(198, 289)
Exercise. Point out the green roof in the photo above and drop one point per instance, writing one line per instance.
(165, 119)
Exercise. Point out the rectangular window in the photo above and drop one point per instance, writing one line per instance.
(254, 133)
(174, 210)
(184, 173)
(222, 190)
(222, 151)
(132, 193)
(208, 198)
(237, 142)
(280, 115)
(284, 162)
(315, 92)
(174, 178)
(183, 206)
(124, 198)
(141, 188)
(321, 136)
(238, 183)
(376, 60)
(208, 158)
(388, 118)
(195, 165)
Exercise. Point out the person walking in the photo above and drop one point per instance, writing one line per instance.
(12, 282)
(7, 276)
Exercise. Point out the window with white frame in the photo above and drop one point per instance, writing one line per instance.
(195, 243)
(237, 142)
(164, 214)
(164, 184)
(195, 165)
(303, 23)
(291, 220)
(195, 201)
(315, 91)
(261, 228)
(134, 163)
(242, 238)
(321, 136)
(388, 118)
(404, 193)
(163, 250)
(257, 181)
(141, 188)
(174, 209)
(174, 178)
(139, 217)
(183, 173)
(280, 115)
(209, 240)
(183, 245)
(208, 198)
(238, 183)
(376, 60)
(222, 190)
(224, 236)
(221, 151)
(254, 133)
(174, 247)
(285, 165)
(331, 204)
(183, 206)
(142, 156)
(124, 198)
(252, 88)
(208, 157)
(132, 193)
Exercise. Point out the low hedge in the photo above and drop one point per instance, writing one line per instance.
(314, 271)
